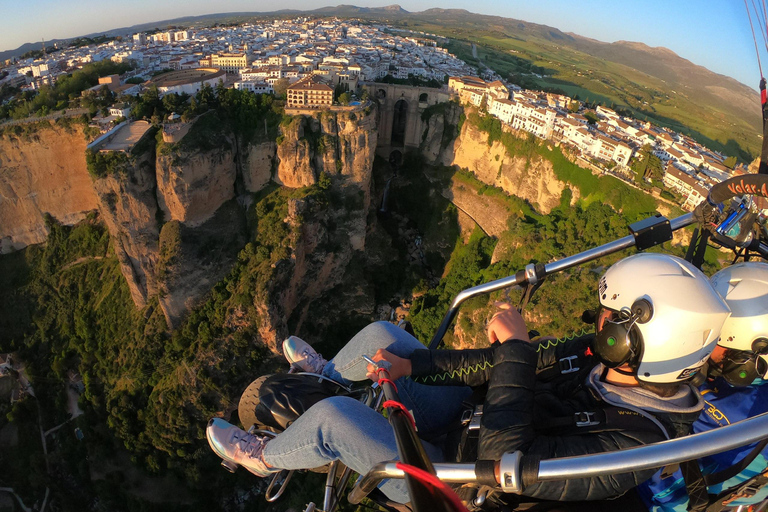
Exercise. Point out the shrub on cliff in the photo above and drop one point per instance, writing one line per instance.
(104, 163)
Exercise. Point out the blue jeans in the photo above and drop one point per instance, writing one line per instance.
(343, 428)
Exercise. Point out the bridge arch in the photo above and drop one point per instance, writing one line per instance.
(399, 122)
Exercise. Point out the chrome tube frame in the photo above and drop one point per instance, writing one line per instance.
(649, 456)
(657, 455)
(454, 473)
(549, 268)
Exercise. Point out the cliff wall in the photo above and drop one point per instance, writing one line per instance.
(191, 187)
(531, 178)
(128, 205)
(179, 213)
(340, 144)
(42, 172)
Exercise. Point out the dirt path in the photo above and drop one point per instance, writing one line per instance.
(78, 261)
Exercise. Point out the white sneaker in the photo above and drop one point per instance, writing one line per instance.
(237, 446)
(301, 355)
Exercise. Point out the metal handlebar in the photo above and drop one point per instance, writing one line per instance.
(549, 268)
(648, 456)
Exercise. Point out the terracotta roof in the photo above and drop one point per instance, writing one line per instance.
(310, 83)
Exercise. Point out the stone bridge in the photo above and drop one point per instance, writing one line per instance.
(400, 109)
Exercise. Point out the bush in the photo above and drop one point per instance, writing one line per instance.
(101, 164)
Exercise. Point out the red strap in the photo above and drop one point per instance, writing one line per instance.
(429, 479)
(382, 379)
(398, 405)
(763, 97)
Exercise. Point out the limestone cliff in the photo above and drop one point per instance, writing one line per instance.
(128, 205)
(531, 179)
(336, 143)
(192, 259)
(176, 211)
(42, 172)
(257, 163)
(191, 187)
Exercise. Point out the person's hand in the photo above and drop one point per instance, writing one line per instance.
(506, 324)
(400, 367)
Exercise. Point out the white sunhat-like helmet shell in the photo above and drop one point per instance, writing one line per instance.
(687, 313)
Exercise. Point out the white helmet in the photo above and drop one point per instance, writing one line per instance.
(745, 289)
(660, 314)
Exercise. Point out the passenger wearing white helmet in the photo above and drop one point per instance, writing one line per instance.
(658, 324)
(735, 390)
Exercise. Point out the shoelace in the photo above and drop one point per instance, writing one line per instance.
(314, 360)
(248, 443)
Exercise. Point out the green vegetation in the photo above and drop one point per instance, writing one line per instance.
(412, 80)
(65, 306)
(101, 164)
(66, 92)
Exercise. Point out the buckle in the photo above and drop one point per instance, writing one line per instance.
(585, 419)
(749, 490)
(569, 368)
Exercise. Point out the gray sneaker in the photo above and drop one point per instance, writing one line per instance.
(301, 355)
(236, 446)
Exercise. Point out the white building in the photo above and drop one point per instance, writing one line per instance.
(504, 109)
(255, 87)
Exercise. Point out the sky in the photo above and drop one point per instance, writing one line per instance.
(712, 33)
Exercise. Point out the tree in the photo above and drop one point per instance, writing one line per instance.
(281, 88)
(591, 117)
(345, 98)
(574, 106)
(730, 162)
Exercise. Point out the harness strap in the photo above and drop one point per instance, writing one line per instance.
(746, 490)
(696, 483)
(728, 473)
(600, 420)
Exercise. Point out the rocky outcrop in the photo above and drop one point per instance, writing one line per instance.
(257, 163)
(488, 212)
(191, 188)
(295, 155)
(43, 172)
(531, 178)
(176, 221)
(336, 143)
(128, 205)
(192, 259)
(440, 133)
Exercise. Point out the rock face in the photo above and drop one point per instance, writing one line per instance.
(437, 140)
(339, 144)
(192, 259)
(175, 218)
(257, 163)
(294, 154)
(530, 179)
(128, 205)
(42, 173)
(191, 188)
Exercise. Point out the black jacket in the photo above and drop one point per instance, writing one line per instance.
(534, 392)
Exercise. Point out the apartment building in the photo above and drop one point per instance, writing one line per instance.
(229, 62)
(310, 91)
